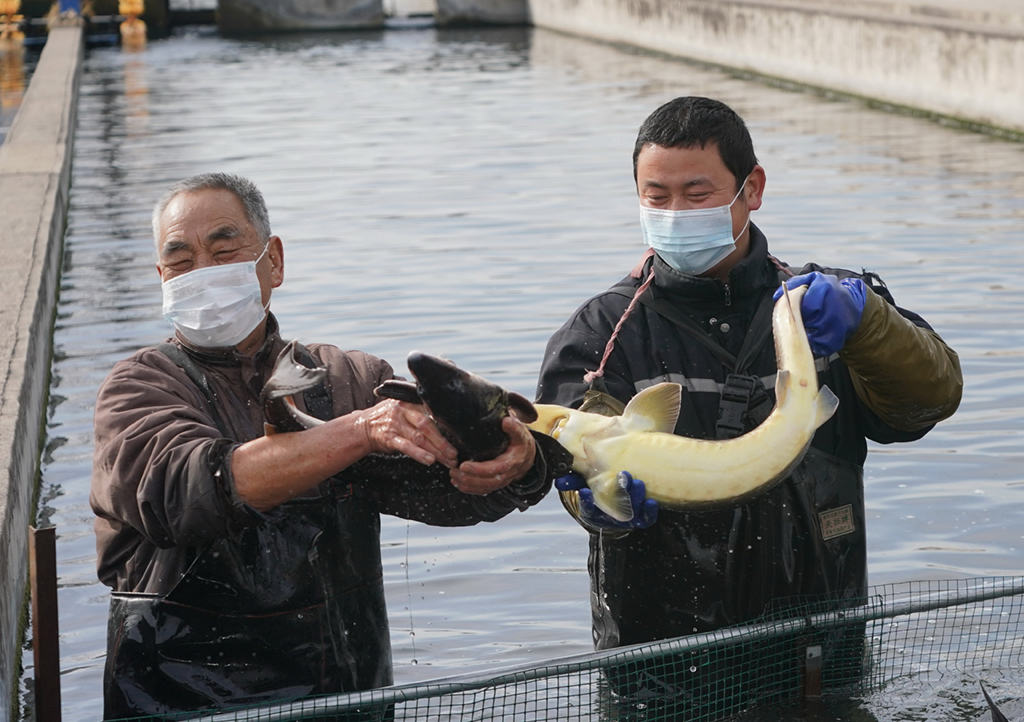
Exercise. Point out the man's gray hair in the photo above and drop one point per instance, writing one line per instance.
(243, 188)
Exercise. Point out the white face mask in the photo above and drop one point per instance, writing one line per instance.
(216, 306)
(691, 241)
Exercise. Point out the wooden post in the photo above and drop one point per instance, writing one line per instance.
(42, 551)
(812, 674)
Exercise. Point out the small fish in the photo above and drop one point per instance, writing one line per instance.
(468, 409)
(685, 473)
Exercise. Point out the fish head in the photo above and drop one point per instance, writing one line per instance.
(575, 430)
(550, 419)
(468, 409)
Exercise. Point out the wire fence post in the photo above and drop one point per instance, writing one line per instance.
(42, 550)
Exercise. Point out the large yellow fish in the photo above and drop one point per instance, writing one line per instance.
(682, 472)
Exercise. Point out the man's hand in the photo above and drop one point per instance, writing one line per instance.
(831, 309)
(483, 477)
(395, 426)
(645, 511)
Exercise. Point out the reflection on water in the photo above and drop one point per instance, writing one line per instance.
(461, 192)
(16, 67)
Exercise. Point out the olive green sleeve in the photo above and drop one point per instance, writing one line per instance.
(904, 373)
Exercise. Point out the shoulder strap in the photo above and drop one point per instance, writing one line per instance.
(759, 331)
(186, 364)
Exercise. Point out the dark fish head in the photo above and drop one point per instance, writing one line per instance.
(467, 408)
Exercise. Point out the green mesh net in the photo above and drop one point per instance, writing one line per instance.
(890, 655)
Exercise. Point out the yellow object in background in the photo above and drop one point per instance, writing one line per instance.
(133, 30)
(10, 34)
(127, 8)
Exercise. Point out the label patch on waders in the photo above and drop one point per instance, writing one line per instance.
(837, 522)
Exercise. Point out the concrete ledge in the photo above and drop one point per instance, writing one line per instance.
(35, 174)
(965, 64)
(482, 12)
(236, 17)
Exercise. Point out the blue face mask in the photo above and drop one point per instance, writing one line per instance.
(692, 241)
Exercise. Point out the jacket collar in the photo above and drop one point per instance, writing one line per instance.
(271, 347)
(748, 277)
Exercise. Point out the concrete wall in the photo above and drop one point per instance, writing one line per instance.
(35, 171)
(248, 16)
(493, 12)
(964, 62)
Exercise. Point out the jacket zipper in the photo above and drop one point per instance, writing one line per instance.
(728, 294)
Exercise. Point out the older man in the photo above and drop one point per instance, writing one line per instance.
(242, 571)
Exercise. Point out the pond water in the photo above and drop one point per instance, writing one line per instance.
(460, 192)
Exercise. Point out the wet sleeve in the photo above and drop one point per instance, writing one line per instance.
(901, 369)
(353, 375)
(160, 464)
(427, 495)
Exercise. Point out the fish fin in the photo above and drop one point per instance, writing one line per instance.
(825, 405)
(611, 495)
(269, 429)
(656, 408)
(521, 407)
(781, 386)
(399, 391)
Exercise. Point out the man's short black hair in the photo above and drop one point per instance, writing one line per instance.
(694, 121)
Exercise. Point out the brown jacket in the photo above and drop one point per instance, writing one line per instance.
(162, 484)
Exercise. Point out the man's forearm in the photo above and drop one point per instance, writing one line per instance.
(273, 469)
(904, 373)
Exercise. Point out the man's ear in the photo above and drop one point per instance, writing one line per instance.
(275, 251)
(754, 188)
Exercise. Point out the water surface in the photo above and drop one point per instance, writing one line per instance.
(460, 193)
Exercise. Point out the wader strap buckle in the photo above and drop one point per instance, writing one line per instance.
(743, 406)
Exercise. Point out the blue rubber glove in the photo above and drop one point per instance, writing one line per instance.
(831, 308)
(645, 511)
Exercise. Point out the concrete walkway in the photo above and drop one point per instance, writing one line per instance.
(35, 171)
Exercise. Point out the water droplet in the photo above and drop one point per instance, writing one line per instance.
(693, 669)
